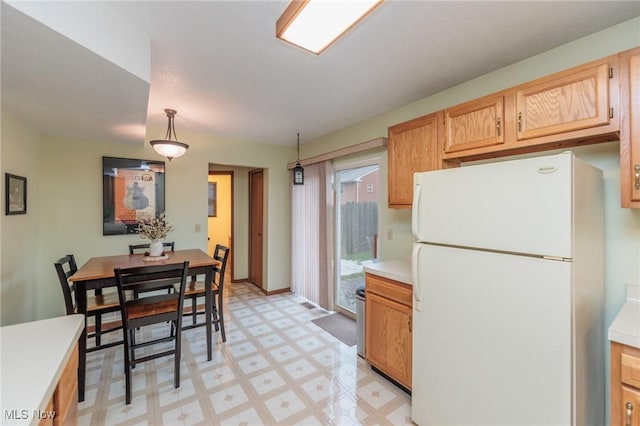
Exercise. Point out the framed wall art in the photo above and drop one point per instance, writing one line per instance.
(213, 199)
(132, 190)
(15, 194)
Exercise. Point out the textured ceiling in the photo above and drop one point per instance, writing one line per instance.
(219, 64)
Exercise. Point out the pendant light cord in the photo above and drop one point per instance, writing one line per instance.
(170, 128)
(298, 147)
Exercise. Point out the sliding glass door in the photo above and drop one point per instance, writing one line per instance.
(357, 198)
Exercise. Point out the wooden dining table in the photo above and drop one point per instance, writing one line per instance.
(98, 273)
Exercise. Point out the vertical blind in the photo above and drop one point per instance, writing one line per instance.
(309, 272)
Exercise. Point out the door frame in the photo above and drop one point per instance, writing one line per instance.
(336, 168)
(231, 231)
(256, 212)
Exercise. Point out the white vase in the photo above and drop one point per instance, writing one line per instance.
(155, 248)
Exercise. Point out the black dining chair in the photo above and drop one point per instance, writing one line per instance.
(97, 304)
(196, 289)
(151, 308)
(142, 248)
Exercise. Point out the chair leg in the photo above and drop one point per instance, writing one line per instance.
(127, 367)
(98, 328)
(132, 353)
(194, 314)
(177, 355)
(215, 318)
(214, 311)
(221, 317)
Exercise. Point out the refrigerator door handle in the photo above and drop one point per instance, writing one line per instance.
(417, 190)
(414, 276)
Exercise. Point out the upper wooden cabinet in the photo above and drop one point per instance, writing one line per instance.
(573, 100)
(630, 128)
(569, 108)
(475, 124)
(595, 102)
(413, 146)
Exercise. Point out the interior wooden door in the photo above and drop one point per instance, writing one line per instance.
(256, 199)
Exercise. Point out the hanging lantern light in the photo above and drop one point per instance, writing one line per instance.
(298, 171)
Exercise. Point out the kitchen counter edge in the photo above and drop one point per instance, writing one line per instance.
(34, 355)
(625, 328)
(397, 270)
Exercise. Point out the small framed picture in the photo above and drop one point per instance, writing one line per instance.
(213, 199)
(15, 194)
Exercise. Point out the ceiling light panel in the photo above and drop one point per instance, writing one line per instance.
(315, 24)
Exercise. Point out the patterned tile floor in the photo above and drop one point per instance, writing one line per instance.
(276, 368)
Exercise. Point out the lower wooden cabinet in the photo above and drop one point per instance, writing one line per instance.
(630, 409)
(388, 339)
(47, 417)
(625, 385)
(65, 398)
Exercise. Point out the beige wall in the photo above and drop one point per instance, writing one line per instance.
(622, 227)
(20, 300)
(65, 205)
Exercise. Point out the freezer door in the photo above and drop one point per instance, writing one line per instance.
(492, 339)
(522, 206)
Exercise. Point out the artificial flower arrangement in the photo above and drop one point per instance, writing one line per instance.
(154, 228)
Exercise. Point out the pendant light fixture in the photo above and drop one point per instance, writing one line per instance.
(298, 171)
(168, 147)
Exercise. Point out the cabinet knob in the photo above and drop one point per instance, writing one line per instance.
(629, 407)
(637, 176)
(499, 126)
(520, 121)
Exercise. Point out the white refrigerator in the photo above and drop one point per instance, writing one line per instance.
(508, 272)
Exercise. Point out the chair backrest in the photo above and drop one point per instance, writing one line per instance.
(221, 254)
(65, 267)
(142, 280)
(138, 248)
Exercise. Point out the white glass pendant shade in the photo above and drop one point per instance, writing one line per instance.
(169, 147)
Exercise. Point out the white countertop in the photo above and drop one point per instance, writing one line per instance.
(625, 328)
(34, 355)
(398, 270)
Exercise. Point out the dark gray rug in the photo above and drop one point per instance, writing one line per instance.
(308, 305)
(340, 326)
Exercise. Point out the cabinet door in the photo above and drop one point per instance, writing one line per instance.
(630, 409)
(388, 337)
(573, 100)
(413, 147)
(65, 397)
(630, 128)
(474, 124)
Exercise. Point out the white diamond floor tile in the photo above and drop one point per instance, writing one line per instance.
(276, 368)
